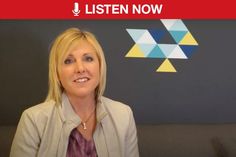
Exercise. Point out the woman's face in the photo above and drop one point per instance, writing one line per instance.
(79, 72)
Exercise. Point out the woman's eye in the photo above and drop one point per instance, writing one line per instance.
(88, 58)
(69, 61)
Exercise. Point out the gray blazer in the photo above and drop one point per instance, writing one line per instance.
(44, 130)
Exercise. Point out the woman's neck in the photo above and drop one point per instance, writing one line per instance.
(82, 105)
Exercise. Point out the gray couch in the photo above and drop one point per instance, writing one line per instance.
(168, 140)
(187, 140)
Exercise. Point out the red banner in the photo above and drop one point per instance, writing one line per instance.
(117, 9)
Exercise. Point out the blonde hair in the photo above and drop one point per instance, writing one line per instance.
(59, 49)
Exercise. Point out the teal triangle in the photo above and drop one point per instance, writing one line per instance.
(146, 48)
(188, 49)
(136, 33)
(167, 48)
(156, 53)
(178, 35)
(178, 26)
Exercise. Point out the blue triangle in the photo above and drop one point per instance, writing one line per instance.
(136, 33)
(178, 35)
(188, 49)
(156, 53)
(157, 34)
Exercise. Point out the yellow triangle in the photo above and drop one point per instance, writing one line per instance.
(135, 51)
(166, 66)
(188, 39)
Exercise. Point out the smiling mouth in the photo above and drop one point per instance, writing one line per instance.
(81, 80)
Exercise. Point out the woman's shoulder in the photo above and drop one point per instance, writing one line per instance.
(120, 113)
(35, 119)
(115, 106)
(43, 109)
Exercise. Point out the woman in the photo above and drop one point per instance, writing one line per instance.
(76, 120)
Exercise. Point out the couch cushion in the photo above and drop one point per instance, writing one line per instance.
(187, 140)
(6, 137)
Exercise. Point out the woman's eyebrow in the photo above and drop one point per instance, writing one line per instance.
(89, 53)
(70, 55)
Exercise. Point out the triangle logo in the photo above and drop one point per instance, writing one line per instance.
(166, 66)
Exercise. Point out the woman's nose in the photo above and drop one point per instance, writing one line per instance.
(80, 68)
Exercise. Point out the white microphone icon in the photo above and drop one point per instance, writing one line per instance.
(76, 10)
